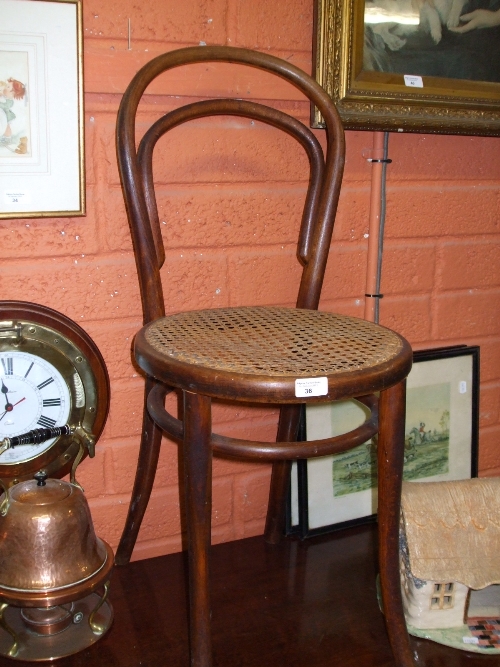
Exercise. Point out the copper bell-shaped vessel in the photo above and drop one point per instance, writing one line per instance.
(53, 568)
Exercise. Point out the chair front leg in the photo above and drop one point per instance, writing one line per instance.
(198, 495)
(392, 408)
(149, 453)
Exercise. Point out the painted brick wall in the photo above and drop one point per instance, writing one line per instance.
(230, 194)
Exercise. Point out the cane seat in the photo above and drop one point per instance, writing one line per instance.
(268, 348)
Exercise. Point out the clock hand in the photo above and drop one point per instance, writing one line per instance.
(9, 407)
(4, 390)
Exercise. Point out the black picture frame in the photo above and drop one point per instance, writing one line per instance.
(435, 385)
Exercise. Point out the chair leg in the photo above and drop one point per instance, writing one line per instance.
(280, 477)
(390, 477)
(198, 494)
(144, 478)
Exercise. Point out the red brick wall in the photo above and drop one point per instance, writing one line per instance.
(230, 194)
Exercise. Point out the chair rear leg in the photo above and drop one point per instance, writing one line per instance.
(198, 494)
(280, 478)
(149, 453)
(390, 477)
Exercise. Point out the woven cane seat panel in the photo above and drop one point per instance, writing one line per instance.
(273, 341)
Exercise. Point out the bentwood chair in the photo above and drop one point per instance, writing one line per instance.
(270, 355)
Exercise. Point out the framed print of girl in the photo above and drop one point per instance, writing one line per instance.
(42, 171)
(13, 117)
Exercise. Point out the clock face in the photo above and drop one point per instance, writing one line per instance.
(51, 375)
(33, 394)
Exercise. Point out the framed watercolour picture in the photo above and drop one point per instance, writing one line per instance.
(411, 65)
(441, 437)
(41, 109)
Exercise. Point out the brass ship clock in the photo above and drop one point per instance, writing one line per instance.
(54, 392)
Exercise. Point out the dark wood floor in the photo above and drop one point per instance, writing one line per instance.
(301, 604)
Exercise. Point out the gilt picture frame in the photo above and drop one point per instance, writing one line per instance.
(414, 84)
(41, 109)
(441, 443)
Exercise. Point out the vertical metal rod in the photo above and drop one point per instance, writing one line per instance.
(383, 207)
(379, 162)
(374, 226)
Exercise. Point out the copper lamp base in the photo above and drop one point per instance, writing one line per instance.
(45, 625)
(34, 645)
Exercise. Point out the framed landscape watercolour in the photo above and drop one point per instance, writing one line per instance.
(401, 65)
(41, 109)
(441, 438)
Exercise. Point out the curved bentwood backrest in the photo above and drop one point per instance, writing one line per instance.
(137, 177)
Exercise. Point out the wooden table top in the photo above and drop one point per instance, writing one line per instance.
(298, 604)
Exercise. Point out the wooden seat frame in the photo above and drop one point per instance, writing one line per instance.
(387, 409)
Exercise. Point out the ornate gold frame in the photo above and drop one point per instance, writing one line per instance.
(370, 100)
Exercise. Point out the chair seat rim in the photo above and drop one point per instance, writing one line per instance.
(263, 388)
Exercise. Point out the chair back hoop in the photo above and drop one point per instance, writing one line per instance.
(136, 166)
(265, 114)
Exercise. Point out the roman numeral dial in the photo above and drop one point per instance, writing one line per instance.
(50, 402)
(34, 395)
(46, 422)
(45, 383)
(8, 365)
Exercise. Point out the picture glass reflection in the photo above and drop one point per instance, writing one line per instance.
(455, 39)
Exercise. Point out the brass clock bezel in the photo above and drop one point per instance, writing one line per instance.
(45, 333)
